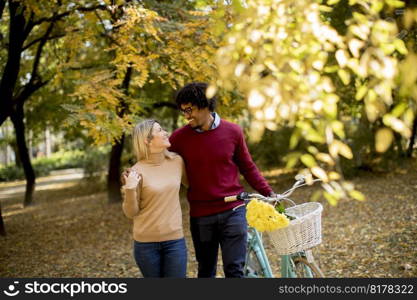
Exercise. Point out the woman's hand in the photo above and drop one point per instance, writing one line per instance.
(132, 179)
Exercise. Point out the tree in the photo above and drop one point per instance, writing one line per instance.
(288, 60)
(145, 45)
(30, 26)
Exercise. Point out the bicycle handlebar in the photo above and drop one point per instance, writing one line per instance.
(300, 181)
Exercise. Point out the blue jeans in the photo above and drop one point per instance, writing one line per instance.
(162, 259)
(227, 229)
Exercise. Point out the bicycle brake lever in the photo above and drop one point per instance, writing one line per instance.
(243, 196)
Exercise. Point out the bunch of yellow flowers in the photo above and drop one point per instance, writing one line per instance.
(263, 216)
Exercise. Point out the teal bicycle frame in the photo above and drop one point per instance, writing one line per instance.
(255, 244)
(259, 266)
(288, 268)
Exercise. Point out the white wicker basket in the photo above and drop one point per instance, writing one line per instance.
(302, 233)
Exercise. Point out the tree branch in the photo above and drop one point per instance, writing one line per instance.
(29, 25)
(35, 81)
(105, 33)
(64, 14)
(28, 90)
(39, 51)
(87, 67)
(164, 104)
(2, 5)
(40, 39)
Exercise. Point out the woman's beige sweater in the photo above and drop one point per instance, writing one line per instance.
(154, 205)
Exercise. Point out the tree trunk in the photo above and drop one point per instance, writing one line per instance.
(17, 160)
(19, 127)
(412, 138)
(12, 67)
(2, 228)
(113, 179)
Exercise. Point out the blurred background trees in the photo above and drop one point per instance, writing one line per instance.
(326, 87)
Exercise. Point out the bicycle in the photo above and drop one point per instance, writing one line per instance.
(291, 243)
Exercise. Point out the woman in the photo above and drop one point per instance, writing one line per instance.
(151, 199)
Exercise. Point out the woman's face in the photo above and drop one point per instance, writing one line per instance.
(159, 139)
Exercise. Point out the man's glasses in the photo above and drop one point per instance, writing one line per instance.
(187, 111)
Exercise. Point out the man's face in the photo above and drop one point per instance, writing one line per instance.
(195, 116)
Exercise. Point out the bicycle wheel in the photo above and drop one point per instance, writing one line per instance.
(305, 269)
(253, 268)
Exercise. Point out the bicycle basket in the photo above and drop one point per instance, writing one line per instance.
(302, 233)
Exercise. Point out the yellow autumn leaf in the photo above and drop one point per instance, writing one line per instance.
(319, 173)
(308, 160)
(337, 147)
(383, 139)
(357, 195)
(324, 157)
(330, 198)
(334, 175)
(344, 76)
(361, 92)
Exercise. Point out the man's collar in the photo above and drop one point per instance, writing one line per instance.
(215, 124)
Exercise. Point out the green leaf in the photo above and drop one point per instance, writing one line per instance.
(331, 69)
(325, 8)
(295, 138)
(344, 76)
(395, 3)
(332, 2)
(361, 92)
(338, 128)
(377, 6)
(280, 208)
(308, 160)
(399, 109)
(400, 46)
(312, 149)
(292, 159)
(388, 48)
(315, 137)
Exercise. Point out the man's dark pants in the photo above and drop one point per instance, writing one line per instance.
(227, 229)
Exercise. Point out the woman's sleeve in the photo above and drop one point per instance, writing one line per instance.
(131, 201)
(184, 178)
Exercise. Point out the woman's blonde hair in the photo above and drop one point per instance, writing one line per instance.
(141, 133)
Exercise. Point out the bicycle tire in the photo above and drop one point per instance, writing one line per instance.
(253, 267)
(300, 264)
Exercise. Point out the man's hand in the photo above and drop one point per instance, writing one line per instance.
(272, 195)
(132, 180)
(124, 175)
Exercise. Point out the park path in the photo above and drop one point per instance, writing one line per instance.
(56, 178)
(72, 230)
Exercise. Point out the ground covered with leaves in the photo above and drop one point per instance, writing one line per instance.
(71, 230)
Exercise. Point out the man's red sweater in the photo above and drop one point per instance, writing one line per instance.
(213, 160)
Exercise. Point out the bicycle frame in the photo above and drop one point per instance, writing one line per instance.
(288, 266)
(255, 245)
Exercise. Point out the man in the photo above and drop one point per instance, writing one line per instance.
(214, 152)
